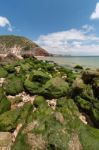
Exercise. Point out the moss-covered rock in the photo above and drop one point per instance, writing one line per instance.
(13, 85)
(89, 75)
(87, 93)
(96, 87)
(5, 105)
(78, 67)
(83, 104)
(32, 87)
(39, 100)
(10, 119)
(77, 87)
(21, 143)
(55, 87)
(3, 72)
(2, 93)
(95, 116)
(39, 76)
(10, 68)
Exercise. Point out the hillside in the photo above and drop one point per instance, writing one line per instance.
(18, 45)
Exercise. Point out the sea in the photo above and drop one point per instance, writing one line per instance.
(71, 61)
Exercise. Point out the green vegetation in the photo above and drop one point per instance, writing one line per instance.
(13, 85)
(55, 88)
(78, 67)
(53, 121)
(3, 72)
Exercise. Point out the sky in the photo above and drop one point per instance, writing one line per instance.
(69, 27)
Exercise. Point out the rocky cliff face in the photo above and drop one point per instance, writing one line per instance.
(19, 45)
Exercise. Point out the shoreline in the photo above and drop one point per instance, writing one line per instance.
(71, 62)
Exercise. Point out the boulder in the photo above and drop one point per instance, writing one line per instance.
(32, 87)
(83, 104)
(55, 87)
(13, 85)
(40, 77)
(89, 75)
(77, 87)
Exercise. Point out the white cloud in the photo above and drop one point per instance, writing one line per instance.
(95, 14)
(88, 28)
(5, 22)
(73, 41)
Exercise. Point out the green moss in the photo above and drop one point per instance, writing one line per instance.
(5, 105)
(10, 119)
(87, 93)
(2, 93)
(13, 85)
(32, 87)
(83, 104)
(95, 116)
(39, 100)
(10, 68)
(96, 87)
(78, 67)
(39, 76)
(21, 143)
(3, 72)
(55, 87)
(89, 75)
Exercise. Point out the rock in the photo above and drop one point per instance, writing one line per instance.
(32, 87)
(83, 104)
(74, 143)
(83, 119)
(89, 75)
(2, 81)
(10, 119)
(39, 76)
(59, 117)
(36, 141)
(5, 105)
(52, 103)
(78, 67)
(95, 116)
(39, 101)
(5, 140)
(77, 87)
(13, 85)
(15, 133)
(88, 93)
(96, 87)
(55, 87)
(3, 72)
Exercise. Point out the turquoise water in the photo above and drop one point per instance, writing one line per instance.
(92, 62)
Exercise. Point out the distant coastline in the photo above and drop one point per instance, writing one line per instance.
(71, 61)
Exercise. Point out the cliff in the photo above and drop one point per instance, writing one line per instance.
(19, 45)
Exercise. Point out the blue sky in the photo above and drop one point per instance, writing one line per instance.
(60, 26)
